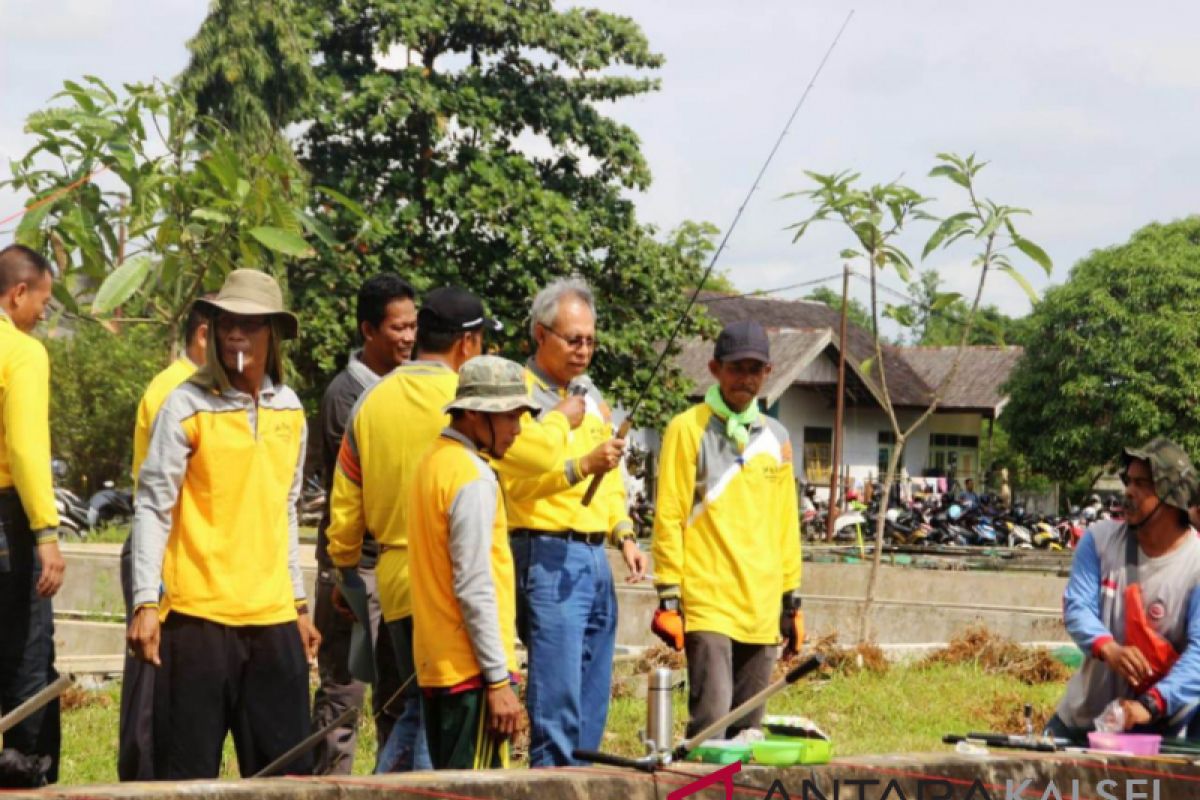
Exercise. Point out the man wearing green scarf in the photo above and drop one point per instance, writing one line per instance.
(727, 536)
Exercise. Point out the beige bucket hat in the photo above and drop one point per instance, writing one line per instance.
(249, 292)
(491, 384)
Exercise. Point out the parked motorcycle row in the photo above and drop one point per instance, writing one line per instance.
(77, 518)
(952, 520)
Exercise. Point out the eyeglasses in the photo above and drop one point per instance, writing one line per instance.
(575, 342)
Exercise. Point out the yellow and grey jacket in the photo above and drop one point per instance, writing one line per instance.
(463, 590)
(551, 499)
(156, 392)
(726, 526)
(25, 427)
(215, 518)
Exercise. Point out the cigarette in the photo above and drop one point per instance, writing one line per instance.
(241, 360)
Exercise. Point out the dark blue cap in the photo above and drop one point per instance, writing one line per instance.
(745, 339)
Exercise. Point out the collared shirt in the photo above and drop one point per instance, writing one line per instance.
(464, 595)
(215, 519)
(156, 392)
(25, 427)
(553, 499)
(726, 525)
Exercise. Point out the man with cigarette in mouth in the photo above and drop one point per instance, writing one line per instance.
(219, 601)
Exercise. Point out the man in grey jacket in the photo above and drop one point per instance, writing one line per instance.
(387, 322)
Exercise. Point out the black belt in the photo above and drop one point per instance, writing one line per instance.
(593, 539)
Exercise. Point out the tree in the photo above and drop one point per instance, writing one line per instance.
(486, 162)
(1117, 358)
(875, 217)
(856, 312)
(940, 327)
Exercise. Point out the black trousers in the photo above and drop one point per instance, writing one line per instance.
(250, 680)
(135, 731)
(26, 638)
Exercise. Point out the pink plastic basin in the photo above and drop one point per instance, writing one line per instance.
(1138, 744)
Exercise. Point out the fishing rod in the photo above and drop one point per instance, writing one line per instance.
(623, 431)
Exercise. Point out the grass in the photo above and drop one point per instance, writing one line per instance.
(908, 708)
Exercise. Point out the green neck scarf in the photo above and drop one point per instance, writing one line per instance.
(737, 425)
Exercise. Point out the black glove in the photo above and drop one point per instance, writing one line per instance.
(791, 624)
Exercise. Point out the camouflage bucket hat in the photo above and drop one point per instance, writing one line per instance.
(492, 384)
(1175, 480)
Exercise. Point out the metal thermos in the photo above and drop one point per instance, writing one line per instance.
(660, 723)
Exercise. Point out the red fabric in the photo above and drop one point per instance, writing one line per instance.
(1140, 634)
(1099, 643)
(1158, 700)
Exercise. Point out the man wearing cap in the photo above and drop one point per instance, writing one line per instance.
(1132, 603)
(135, 736)
(215, 527)
(390, 428)
(727, 536)
(387, 323)
(464, 603)
(31, 566)
(566, 601)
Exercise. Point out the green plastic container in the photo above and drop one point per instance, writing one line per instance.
(722, 751)
(807, 751)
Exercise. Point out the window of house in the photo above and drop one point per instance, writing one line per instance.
(952, 452)
(887, 444)
(818, 454)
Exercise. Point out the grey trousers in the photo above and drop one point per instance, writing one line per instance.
(723, 674)
(338, 690)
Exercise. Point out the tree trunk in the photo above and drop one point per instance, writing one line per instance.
(880, 526)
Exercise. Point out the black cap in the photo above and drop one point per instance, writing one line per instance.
(450, 308)
(745, 339)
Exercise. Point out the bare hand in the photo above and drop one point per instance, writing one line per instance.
(1128, 662)
(605, 456)
(310, 637)
(53, 567)
(635, 559)
(573, 409)
(1135, 713)
(144, 635)
(338, 600)
(503, 710)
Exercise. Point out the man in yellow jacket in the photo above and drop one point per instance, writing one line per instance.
(135, 738)
(219, 599)
(566, 601)
(31, 567)
(464, 605)
(727, 536)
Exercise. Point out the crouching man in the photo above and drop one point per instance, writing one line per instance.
(727, 536)
(463, 591)
(1132, 603)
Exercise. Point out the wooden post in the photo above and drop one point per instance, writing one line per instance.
(836, 463)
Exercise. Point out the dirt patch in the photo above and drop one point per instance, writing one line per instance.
(864, 657)
(998, 655)
(75, 698)
(659, 656)
(1005, 713)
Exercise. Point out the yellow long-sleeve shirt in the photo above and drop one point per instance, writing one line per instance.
(390, 428)
(464, 595)
(551, 500)
(726, 525)
(156, 392)
(25, 427)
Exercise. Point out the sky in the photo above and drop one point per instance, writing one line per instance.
(1086, 112)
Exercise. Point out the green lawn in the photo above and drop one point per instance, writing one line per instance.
(907, 709)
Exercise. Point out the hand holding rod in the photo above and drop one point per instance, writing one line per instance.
(590, 494)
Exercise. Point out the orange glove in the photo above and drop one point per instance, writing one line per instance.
(668, 623)
(791, 625)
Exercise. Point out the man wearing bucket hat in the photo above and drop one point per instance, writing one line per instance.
(215, 527)
(1132, 603)
(728, 580)
(464, 603)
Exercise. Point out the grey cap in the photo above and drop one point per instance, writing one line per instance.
(745, 339)
(492, 384)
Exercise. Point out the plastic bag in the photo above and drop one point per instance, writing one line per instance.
(1112, 720)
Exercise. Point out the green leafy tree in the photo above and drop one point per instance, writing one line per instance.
(856, 312)
(875, 217)
(1117, 359)
(481, 150)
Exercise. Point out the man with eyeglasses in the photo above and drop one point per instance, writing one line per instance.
(727, 536)
(566, 601)
(1132, 604)
(219, 603)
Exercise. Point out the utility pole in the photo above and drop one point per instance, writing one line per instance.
(836, 464)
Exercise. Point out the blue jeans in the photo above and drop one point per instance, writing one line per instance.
(406, 748)
(567, 618)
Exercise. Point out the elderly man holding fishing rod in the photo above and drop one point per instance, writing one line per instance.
(1132, 605)
(727, 536)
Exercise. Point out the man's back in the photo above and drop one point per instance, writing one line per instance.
(24, 424)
